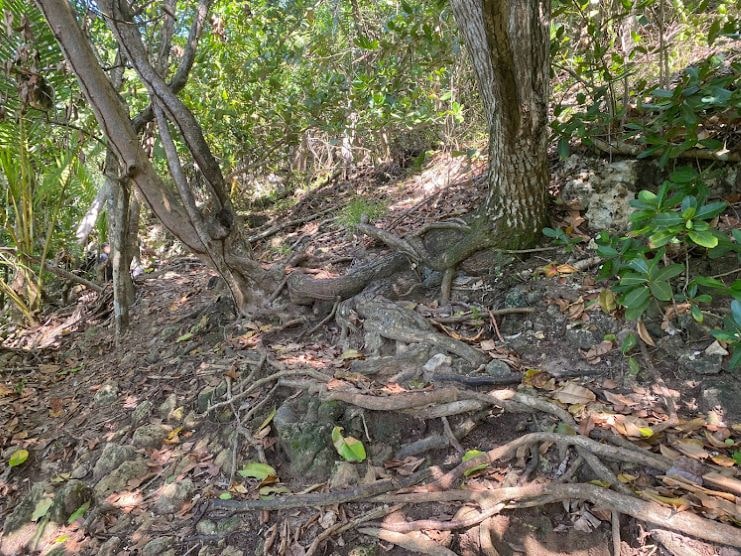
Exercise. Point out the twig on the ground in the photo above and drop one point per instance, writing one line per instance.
(290, 223)
(443, 525)
(615, 522)
(452, 440)
(66, 275)
(278, 289)
(322, 322)
(360, 492)
(340, 528)
(415, 541)
(271, 378)
(469, 315)
(614, 453)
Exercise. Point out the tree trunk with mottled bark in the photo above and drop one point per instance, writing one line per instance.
(508, 42)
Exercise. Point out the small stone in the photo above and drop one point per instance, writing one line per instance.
(497, 367)
(716, 349)
(107, 394)
(68, 499)
(231, 551)
(580, 337)
(172, 496)
(141, 413)
(345, 475)
(110, 547)
(438, 362)
(149, 436)
(191, 420)
(119, 479)
(209, 396)
(364, 550)
(111, 457)
(699, 363)
(168, 406)
(206, 527)
(157, 547)
(223, 461)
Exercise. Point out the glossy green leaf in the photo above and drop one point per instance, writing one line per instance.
(17, 458)
(704, 239)
(469, 455)
(661, 290)
(350, 448)
(636, 297)
(257, 470)
(78, 513)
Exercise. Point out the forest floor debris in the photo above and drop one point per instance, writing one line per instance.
(177, 440)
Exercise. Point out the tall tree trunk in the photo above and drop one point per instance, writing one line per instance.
(508, 41)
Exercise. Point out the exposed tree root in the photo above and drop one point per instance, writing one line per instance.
(441, 486)
(414, 542)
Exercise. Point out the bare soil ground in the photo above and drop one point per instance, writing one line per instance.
(68, 393)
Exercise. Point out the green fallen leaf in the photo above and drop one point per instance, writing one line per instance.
(257, 470)
(225, 496)
(185, 337)
(268, 491)
(42, 507)
(470, 454)
(17, 458)
(78, 513)
(350, 449)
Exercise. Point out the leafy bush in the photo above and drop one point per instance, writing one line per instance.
(675, 221)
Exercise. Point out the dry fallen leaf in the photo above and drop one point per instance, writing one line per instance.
(691, 447)
(572, 393)
(644, 335)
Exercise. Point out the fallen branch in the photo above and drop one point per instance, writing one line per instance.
(360, 492)
(66, 275)
(396, 402)
(635, 150)
(538, 494)
(295, 222)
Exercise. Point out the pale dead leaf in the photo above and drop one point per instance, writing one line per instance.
(691, 447)
(644, 335)
(488, 345)
(572, 393)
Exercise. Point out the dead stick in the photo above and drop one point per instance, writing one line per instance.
(66, 275)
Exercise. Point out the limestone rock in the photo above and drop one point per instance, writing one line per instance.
(172, 496)
(149, 436)
(110, 458)
(141, 413)
(158, 547)
(68, 499)
(119, 479)
(110, 547)
(107, 394)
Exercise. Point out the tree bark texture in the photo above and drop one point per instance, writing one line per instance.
(508, 42)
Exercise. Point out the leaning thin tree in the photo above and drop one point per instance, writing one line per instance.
(215, 235)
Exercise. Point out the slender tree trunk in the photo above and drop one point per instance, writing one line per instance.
(508, 42)
(225, 248)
